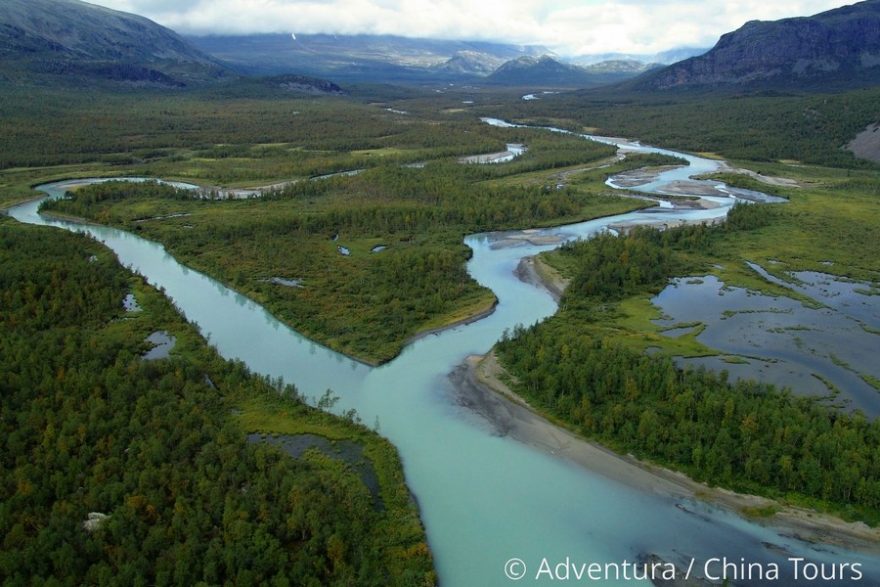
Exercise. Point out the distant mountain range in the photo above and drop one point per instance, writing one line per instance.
(364, 58)
(545, 71)
(661, 58)
(79, 41)
(360, 58)
(76, 39)
(471, 63)
(835, 49)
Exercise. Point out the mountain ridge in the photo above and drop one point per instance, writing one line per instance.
(546, 71)
(70, 37)
(360, 57)
(839, 47)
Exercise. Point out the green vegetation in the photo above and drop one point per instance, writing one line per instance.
(240, 134)
(587, 367)
(808, 128)
(223, 138)
(365, 304)
(87, 425)
(746, 436)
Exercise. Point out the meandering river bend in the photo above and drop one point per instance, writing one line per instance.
(484, 498)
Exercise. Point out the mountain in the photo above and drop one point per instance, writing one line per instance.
(374, 58)
(677, 54)
(73, 38)
(300, 84)
(470, 63)
(546, 71)
(664, 57)
(621, 66)
(835, 49)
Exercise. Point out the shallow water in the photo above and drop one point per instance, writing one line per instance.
(484, 498)
(513, 151)
(130, 303)
(163, 343)
(349, 452)
(784, 341)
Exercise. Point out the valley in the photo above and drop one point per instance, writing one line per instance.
(365, 408)
(330, 309)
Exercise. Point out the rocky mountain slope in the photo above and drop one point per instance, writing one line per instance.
(546, 71)
(471, 63)
(834, 49)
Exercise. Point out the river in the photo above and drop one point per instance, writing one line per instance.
(484, 498)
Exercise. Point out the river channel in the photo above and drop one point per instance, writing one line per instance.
(484, 498)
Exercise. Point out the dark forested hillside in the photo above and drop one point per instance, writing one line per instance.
(115, 470)
(73, 38)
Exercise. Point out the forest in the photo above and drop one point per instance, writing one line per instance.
(88, 426)
(762, 126)
(157, 448)
(745, 435)
(368, 304)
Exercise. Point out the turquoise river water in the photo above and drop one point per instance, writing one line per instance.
(484, 498)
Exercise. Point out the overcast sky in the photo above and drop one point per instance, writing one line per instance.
(569, 27)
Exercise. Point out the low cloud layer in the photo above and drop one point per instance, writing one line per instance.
(569, 27)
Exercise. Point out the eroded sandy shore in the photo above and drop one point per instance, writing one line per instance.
(783, 182)
(535, 271)
(478, 382)
(480, 385)
(641, 176)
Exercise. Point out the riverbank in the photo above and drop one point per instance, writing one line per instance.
(462, 318)
(626, 227)
(7, 206)
(642, 176)
(473, 315)
(62, 217)
(513, 151)
(771, 180)
(535, 271)
(481, 386)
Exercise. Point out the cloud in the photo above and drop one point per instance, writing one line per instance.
(569, 27)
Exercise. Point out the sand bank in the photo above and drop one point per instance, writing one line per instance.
(480, 384)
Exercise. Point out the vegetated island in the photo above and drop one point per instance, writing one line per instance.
(367, 305)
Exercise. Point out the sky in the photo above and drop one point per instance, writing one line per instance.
(568, 27)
